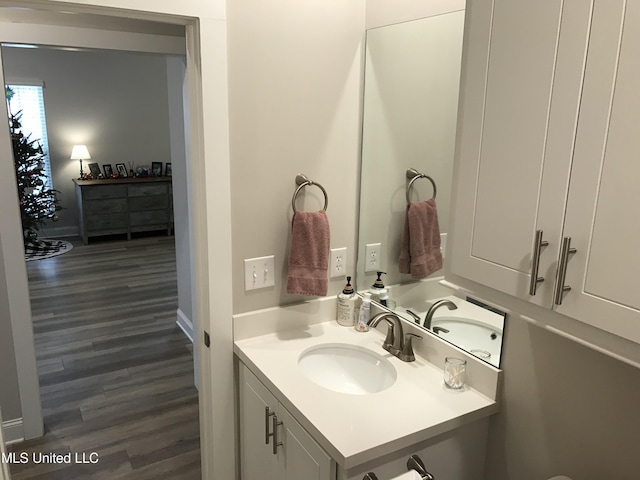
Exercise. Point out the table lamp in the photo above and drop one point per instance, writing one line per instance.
(80, 152)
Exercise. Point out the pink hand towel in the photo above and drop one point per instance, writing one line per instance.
(309, 254)
(420, 248)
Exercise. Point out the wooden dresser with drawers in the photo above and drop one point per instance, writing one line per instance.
(124, 206)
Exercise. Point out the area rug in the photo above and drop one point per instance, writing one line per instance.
(42, 248)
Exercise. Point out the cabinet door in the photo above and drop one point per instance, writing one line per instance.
(520, 91)
(257, 461)
(602, 218)
(301, 457)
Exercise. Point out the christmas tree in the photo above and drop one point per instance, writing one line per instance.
(38, 201)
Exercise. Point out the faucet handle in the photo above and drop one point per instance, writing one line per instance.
(407, 349)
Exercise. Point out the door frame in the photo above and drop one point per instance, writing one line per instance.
(206, 78)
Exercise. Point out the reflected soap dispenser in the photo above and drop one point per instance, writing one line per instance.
(378, 292)
(346, 305)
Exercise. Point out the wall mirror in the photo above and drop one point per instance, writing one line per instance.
(412, 76)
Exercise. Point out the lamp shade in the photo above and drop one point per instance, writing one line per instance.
(80, 152)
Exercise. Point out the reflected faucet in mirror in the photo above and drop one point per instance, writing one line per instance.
(440, 303)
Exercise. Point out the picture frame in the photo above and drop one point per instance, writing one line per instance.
(108, 170)
(94, 168)
(122, 170)
(168, 170)
(156, 169)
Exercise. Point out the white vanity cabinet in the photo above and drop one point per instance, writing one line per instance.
(298, 456)
(547, 143)
(459, 453)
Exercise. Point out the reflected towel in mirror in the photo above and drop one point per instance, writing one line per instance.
(309, 254)
(420, 253)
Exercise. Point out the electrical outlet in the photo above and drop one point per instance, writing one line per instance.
(338, 262)
(372, 257)
(258, 272)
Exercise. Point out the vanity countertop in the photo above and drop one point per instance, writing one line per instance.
(354, 429)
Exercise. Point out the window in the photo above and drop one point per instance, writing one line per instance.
(29, 100)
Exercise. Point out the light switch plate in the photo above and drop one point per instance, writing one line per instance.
(338, 262)
(372, 253)
(258, 272)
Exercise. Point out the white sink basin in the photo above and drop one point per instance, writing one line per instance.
(347, 368)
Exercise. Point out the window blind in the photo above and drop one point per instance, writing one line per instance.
(29, 99)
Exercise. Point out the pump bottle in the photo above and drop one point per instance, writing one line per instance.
(346, 305)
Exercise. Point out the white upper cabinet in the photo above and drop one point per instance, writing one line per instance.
(546, 151)
(603, 208)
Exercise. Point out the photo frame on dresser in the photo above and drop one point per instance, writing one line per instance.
(168, 170)
(108, 170)
(156, 169)
(94, 168)
(121, 169)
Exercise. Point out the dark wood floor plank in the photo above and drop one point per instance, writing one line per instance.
(116, 373)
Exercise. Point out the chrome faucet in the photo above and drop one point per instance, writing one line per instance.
(397, 343)
(440, 303)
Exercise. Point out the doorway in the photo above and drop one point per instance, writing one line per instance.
(205, 24)
(152, 316)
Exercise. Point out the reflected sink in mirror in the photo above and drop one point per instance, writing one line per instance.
(347, 369)
(478, 339)
(472, 326)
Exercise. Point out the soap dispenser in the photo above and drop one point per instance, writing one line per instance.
(346, 305)
(362, 325)
(378, 292)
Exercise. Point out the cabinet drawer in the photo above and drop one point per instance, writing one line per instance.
(148, 218)
(146, 189)
(104, 191)
(151, 202)
(109, 221)
(116, 205)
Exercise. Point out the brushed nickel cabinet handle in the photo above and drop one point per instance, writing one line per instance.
(561, 288)
(275, 424)
(267, 435)
(535, 264)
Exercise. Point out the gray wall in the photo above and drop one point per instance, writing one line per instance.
(294, 107)
(114, 102)
(566, 409)
(9, 393)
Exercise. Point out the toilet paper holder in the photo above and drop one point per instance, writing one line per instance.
(414, 463)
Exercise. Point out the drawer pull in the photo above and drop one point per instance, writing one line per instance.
(561, 288)
(535, 263)
(275, 424)
(267, 435)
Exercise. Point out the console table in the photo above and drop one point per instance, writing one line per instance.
(124, 205)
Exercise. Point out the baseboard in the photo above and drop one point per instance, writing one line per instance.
(185, 324)
(58, 232)
(13, 431)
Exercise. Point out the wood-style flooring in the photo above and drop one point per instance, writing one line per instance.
(116, 373)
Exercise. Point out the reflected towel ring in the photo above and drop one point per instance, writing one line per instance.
(414, 175)
(302, 181)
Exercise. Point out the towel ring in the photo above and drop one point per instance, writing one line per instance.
(414, 175)
(302, 181)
